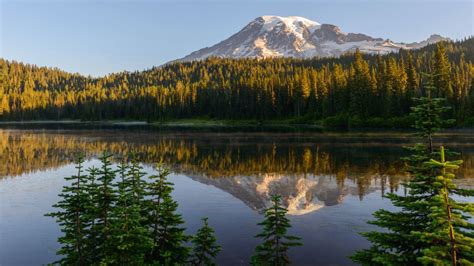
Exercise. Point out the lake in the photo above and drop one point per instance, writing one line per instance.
(331, 183)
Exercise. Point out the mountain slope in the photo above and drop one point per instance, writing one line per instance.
(274, 36)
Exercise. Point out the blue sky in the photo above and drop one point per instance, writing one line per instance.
(100, 37)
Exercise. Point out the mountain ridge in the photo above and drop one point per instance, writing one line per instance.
(299, 37)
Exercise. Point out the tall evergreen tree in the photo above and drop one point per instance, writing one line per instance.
(428, 113)
(405, 239)
(276, 241)
(73, 219)
(205, 247)
(450, 229)
(106, 198)
(129, 238)
(164, 223)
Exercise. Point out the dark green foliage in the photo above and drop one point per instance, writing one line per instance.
(450, 228)
(72, 217)
(205, 247)
(113, 217)
(364, 86)
(398, 245)
(164, 223)
(419, 232)
(276, 241)
(105, 197)
(428, 113)
(129, 238)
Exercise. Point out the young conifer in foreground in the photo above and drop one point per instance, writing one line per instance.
(450, 228)
(72, 215)
(165, 224)
(113, 217)
(129, 239)
(205, 247)
(276, 241)
(414, 234)
(106, 197)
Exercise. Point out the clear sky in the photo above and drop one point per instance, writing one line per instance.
(100, 37)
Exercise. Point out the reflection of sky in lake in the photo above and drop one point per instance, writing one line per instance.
(29, 238)
(331, 192)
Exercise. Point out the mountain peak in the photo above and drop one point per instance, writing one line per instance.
(293, 36)
(291, 20)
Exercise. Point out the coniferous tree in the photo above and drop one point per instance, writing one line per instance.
(129, 239)
(450, 229)
(73, 219)
(205, 247)
(92, 213)
(276, 241)
(428, 113)
(405, 241)
(106, 198)
(126, 221)
(165, 224)
(360, 85)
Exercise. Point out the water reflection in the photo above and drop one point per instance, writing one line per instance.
(228, 177)
(310, 171)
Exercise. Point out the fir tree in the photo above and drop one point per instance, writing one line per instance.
(105, 198)
(73, 220)
(428, 113)
(129, 239)
(205, 247)
(92, 213)
(450, 229)
(405, 240)
(276, 241)
(165, 224)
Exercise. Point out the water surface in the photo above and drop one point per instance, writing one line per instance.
(331, 183)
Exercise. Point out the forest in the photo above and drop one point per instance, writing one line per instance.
(352, 90)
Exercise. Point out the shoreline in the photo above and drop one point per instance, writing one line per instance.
(201, 124)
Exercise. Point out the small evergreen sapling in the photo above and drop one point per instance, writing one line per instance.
(205, 247)
(276, 241)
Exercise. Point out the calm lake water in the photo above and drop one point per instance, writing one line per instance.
(331, 183)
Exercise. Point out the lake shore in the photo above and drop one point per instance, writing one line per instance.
(204, 124)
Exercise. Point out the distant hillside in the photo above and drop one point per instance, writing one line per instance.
(352, 88)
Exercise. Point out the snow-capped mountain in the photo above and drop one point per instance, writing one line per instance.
(274, 36)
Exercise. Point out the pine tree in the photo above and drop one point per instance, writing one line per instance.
(92, 213)
(428, 113)
(105, 198)
(442, 73)
(165, 224)
(276, 242)
(129, 238)
(450, 230)
(205, 247)
(405, 240)
(73, 220)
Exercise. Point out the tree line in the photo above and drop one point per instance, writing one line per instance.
(350, 89)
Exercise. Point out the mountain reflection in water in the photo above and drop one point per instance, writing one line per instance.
(309, 170)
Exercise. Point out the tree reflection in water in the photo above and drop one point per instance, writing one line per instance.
(309, 171)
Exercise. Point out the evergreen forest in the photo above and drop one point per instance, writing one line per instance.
(352, 90)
